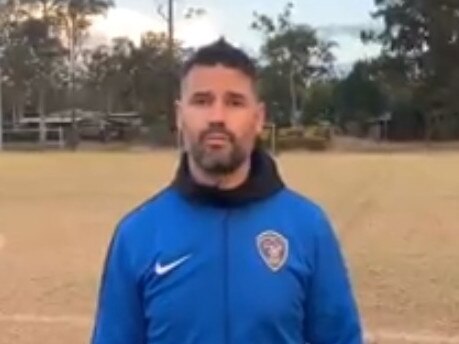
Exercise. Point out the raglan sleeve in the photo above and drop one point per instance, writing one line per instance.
(119, 315)
(331, 314)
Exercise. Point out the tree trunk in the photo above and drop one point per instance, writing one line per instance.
(109, 103)
(303, 101)
(41, 111)
(21, 109)
(74, 140)
(45, 12)
(17, 107)
(15, 112)
(170, 85)
(428, 129)
(293, 115)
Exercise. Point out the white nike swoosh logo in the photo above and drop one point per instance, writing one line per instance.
(164, 269)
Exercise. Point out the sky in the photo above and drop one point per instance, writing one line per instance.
(337, 20)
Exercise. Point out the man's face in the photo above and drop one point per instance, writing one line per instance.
(219, 116)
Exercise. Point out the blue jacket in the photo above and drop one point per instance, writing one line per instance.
(256, 265)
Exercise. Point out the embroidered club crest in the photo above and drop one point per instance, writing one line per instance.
(273, 248)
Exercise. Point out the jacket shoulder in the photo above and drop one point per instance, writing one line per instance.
(147, 211)
(308, 216)
(302, 204)
(134, 237)
(139, 224)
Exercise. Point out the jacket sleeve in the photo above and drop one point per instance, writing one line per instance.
(331, 313)
(119, 315)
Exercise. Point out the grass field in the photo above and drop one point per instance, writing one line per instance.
(397, 216)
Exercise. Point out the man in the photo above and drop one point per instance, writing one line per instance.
(227, 253)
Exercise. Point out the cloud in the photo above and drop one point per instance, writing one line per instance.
(349, 45)
(124, 22)
(198, 31)
(351, 49)
(121, 22)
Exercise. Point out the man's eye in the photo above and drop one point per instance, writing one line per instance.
(236, 103)
(200, 101)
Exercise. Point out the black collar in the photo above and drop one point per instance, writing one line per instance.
(263, 182)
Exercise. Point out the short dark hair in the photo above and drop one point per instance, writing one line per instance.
(221, 52)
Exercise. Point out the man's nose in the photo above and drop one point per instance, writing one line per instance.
(217, 112)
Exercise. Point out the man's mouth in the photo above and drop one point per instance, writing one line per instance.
(216, 139)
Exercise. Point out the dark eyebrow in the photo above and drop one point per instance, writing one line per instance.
(201, 94)
(236, 95)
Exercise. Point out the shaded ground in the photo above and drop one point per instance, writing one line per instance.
(397, 217)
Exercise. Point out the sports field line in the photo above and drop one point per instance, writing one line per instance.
(72, 320)
(387, 336)
(376, 337)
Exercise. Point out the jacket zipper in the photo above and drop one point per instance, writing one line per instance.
(226, 324)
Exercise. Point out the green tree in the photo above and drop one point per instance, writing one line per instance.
(33, 57)
(109, 73)
(293, 56)
(421, 40)
(359, 96)
(171, 84)
(130, 78)
(151, 63)
(320, 101)
(33, 32)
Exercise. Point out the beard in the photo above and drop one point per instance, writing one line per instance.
(218, 161)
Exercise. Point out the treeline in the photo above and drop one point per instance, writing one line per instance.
(411, 88)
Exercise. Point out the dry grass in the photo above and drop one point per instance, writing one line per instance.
(397, 217)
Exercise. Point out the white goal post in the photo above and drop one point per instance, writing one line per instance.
(270, 136)
(19, 137)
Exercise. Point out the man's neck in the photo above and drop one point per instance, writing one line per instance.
(225, 182)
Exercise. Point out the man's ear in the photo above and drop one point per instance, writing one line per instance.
(179, 124)
(178, 117)
(261, 117)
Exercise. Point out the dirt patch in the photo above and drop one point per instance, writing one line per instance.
(395, 214)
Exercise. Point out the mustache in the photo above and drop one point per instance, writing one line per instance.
(217, 129)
